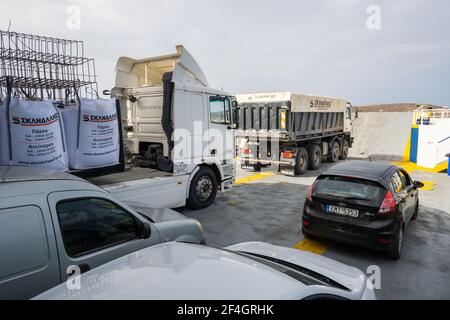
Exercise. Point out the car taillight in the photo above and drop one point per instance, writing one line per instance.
(388, 206)
(309, 193)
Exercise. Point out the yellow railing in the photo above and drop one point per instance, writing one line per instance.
(425, 116)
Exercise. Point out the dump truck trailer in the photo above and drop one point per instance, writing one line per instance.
(294, 132)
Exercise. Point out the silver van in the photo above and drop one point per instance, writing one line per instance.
(53, 225)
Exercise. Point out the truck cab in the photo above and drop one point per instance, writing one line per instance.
(175, 123)
(350, 115)
(170, 112)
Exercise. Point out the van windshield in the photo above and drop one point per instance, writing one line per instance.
(349, 188)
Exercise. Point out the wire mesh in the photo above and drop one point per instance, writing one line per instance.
(45, 68)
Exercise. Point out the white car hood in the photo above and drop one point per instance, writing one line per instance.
(350, 277)
(181, 271)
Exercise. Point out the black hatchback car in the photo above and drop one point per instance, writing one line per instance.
(363, 203)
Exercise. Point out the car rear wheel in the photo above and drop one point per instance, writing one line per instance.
(308, 235)
(301, 161)
(416, 211)
(396, 250)
(203, 189)
(334, 152)
(315, 156)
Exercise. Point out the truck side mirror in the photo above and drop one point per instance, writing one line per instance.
(235, 113)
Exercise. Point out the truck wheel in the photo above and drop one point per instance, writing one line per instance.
(203, 189)
(315, 156)
(301, 161)
(344, 149)
(256, 167)
(334, 152)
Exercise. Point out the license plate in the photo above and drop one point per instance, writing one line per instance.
(342, 211)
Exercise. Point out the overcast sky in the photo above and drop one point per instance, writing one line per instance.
(312, 46)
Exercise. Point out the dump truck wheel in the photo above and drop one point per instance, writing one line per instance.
(203, 189)
(334, 152)
(256, 167)
(315, 156)
(344, 149)
(301, 161)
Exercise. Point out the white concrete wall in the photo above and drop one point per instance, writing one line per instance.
(381, 135)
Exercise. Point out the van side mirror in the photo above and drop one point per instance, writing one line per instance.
(418, 184)
(145, 231)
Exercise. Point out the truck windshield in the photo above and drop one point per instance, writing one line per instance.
(349, 188)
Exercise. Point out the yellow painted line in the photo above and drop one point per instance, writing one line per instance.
(428, 186)
(259, 176)
(441, 166)
(315, 246)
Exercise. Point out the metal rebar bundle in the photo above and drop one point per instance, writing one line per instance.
(45, 68)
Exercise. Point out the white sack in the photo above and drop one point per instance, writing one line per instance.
(36, 133)
(98, 130)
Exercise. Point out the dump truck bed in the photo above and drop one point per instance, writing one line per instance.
(290, 116)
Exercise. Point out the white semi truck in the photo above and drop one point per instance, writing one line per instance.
(292, 131)
(175, 133)
(178, 133)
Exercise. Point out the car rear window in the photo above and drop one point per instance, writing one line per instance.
(349, 188)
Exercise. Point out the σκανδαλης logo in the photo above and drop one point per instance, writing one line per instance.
(42, 121)
(97, 118)
(318, 103)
